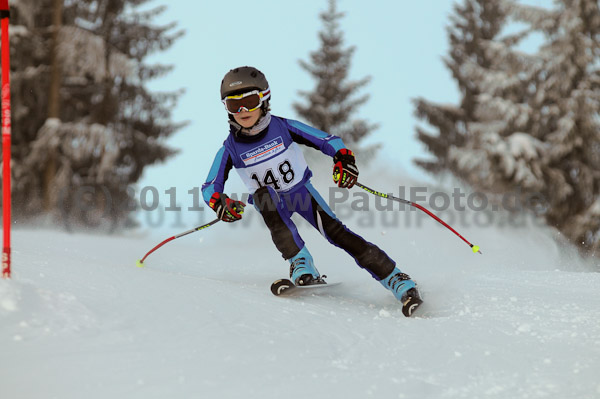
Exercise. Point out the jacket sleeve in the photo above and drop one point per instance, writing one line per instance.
(218, 174)
(315, 138)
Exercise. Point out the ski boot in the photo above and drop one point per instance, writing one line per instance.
(302, 268)
(404, 289)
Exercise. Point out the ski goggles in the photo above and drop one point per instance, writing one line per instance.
(246, 102)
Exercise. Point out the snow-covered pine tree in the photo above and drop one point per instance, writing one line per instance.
(567, 116)
(473, 21)
(534, 121)
(108, 125)
(30, 38)
(332, 104)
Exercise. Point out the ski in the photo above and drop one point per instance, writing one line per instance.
(286, 287)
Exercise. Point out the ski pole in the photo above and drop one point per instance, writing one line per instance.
(475, 248)
(140, 263)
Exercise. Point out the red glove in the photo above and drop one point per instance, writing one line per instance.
(345, 172)
(227, 210)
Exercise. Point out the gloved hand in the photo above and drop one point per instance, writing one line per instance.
(345, 171)
(227, 210)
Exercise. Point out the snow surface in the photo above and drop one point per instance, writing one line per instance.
(79, 320)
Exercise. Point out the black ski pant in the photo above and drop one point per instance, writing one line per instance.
(277, 209)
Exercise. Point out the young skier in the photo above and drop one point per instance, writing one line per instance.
(264, 150)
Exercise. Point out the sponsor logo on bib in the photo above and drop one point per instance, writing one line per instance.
(263, 151)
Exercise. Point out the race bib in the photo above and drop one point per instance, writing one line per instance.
(282, 172)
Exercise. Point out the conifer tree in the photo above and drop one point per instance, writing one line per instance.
(332, 104)
(80, 148)
(531, 123)
(473, 22)
(566, 120)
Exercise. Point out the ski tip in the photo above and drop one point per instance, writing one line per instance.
(279, 286)
(411, 303)
(411, 306)
(139, 263)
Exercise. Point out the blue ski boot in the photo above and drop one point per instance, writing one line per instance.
(404, 289)
(302, 268)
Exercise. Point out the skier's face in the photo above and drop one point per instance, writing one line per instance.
(248, 119)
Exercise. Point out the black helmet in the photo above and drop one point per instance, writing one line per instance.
(243, 79)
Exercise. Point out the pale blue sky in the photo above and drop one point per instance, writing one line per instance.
(399, 44)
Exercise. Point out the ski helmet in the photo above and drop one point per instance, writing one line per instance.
(243, 79)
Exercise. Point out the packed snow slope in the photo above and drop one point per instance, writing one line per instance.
(80, 320)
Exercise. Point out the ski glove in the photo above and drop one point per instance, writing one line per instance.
(227, 210)
(345, 171)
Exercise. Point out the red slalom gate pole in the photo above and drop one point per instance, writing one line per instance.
(4, 17)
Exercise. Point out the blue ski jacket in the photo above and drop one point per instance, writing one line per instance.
(272, 157)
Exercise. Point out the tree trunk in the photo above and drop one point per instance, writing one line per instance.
(53, 102)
